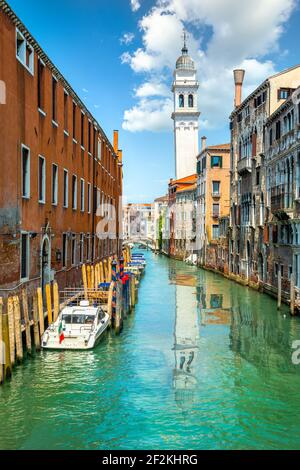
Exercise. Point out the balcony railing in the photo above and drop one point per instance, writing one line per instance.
(216, 194)
(244, 165)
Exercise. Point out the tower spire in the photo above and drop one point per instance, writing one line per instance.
(184, 50)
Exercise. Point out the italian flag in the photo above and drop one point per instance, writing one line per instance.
(61, 333)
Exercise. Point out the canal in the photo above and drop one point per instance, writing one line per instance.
(203, 363)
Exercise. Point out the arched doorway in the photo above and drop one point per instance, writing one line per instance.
(45, 263)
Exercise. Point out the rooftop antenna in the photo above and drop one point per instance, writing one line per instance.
(185, 36)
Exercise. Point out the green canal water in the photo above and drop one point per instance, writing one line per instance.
(203, 363)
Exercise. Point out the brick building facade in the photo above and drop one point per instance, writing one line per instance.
(57, 168)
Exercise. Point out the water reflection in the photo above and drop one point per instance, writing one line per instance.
(186, 338)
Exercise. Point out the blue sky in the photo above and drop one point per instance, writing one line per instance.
(125, 80)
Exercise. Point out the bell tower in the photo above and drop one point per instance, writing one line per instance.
(186, 115)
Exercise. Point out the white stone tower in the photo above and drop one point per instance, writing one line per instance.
(186, 114)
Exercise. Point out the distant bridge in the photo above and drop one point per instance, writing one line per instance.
(146, 242)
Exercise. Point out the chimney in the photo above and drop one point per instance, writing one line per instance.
(120, 155)
(203, 140)
(116, 142)
(238, 80)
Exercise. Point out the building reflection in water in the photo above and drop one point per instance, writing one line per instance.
(261, 335)
(186, 339)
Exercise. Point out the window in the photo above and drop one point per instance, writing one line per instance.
(65, 250)
(215, 232)
(216, 187)
(216, 162)
(247, 111)
(99, 149)
(88, 247)
(181, 101)
(284, 93)
(191, 101)
(25, 53)
(216, 210)
(41, 85)
(21, 47)
(42, 180)
(89, 198)
(73, 252)
(25, 168)
(89, 136)
(54, 184)
(66, 111)
(98, 201)
(25, 255)
(258, 177)
(278, 130)
(82, 195)
(81, 248)
(66, 189)
(74, 192)
(271, 137)
(54, 99)
(74, 121)
(82, 130)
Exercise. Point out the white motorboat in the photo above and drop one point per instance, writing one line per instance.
(77, 327)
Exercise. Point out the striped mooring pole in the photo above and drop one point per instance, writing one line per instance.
(114, 296)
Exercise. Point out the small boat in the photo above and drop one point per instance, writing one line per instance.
(77, 327)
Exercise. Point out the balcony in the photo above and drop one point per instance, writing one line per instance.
(216, 194)
(244, 165)
(281, 201)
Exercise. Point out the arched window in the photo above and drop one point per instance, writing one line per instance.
(191, 101)
(181, 101)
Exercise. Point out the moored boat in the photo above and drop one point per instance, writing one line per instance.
(77, 327)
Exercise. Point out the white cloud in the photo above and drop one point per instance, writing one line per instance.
(237, 34)
(127, 38)
(152, 88)
(150, 114)
(135, 5)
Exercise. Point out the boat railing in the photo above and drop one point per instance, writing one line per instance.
(73, 296)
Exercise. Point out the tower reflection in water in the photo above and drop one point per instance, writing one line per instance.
(201, 300)
(186, 338)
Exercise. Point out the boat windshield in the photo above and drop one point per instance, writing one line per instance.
(78, 319)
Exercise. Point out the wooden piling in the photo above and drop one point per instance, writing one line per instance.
(55, 301)
(101, 273)
(36, 332)
(26, 320)
(105, 270)
(97, 282)
(18, 330)
(49, 304)
(41, 311)
(109, 270)
(92, 277)
(11, 329)
(7, 367)
(292, 295)
(2, 349)
(119, 304)
(84, 280)
(279, 289)
(109, 302)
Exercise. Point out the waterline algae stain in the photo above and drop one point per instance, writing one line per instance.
(203, 363)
